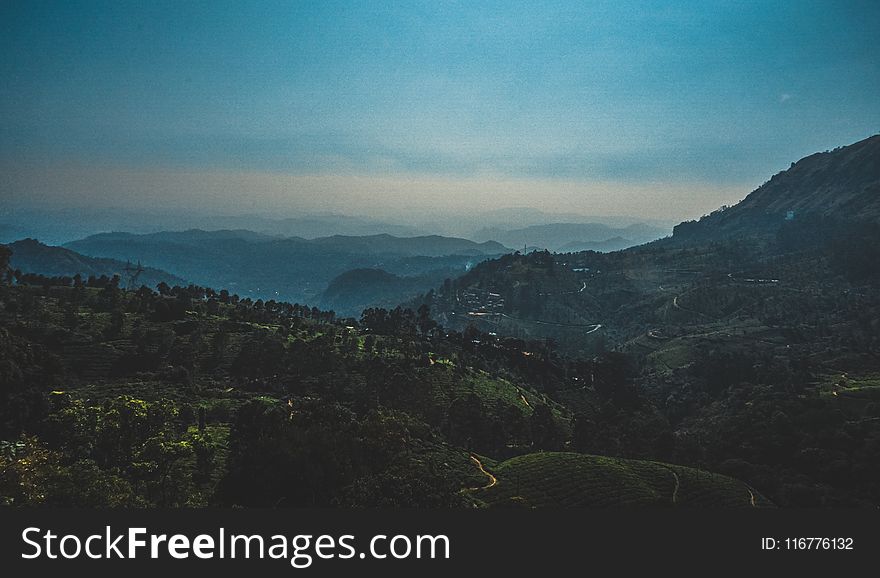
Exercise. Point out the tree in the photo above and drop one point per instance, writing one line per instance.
(425, 323)
(466, 422)
(545, 434)
(613, 373)
(300, 454)
(5, 254)
(584, 433)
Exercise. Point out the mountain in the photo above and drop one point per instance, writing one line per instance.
(835, 187)
(312, 226)
(31, 256)
(574, 236)
(290, 268)
(508, 218)
(821, 216)
(353, 291)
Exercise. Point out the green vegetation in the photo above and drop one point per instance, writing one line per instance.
(746, 344)
(564, 480)
(754, 356)
(191, 397)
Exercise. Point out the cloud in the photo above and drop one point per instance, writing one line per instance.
(784, 97)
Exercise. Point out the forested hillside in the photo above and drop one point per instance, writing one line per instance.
(191, 397)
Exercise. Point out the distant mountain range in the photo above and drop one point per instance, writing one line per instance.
(311, 226)
(841, 186)
(382, 244)
(509, 218)
(428, 246)
(565, 237)
(59, 226)
(290, 268)
(31, 256)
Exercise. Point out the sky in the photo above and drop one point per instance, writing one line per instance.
(653, 109)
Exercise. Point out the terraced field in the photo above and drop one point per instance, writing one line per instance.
(570, 480)
(447, 387)
(864, 387)
(857, 395)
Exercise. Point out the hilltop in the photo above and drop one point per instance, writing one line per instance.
(31, 256)
(835, 187)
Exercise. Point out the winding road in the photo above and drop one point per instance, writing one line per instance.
(677, 485)
(594, 326)
(492, 479)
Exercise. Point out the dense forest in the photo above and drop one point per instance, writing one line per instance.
(185, 396)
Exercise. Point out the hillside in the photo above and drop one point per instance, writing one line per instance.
(839, 186)
(586, 481)
(31, 256)
(194, 398)
(353, 291)
(759, 348)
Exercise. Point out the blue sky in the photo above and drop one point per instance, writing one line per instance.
(406, 104)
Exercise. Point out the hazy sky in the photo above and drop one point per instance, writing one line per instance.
(656, 109)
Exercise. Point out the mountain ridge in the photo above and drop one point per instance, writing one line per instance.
(561, 236)
(290, 268)
(842, 185)
(32, 256)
